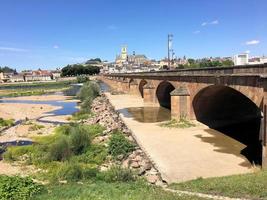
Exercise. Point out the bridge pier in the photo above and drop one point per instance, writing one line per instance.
(264, 129)
(133, 88)
(180, 103)
(150, 94)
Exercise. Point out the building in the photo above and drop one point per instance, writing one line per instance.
(39, 75)
(241, 59)
(122, 58)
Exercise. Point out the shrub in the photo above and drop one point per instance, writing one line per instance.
(89, 90)
(95, 154)
(60, 150)
(14, 153)
(70, 172)
(79, 139)
(82, 79)
(36, 127)
(119, 145)
(6, 122)
(13, 188)
(117, 174)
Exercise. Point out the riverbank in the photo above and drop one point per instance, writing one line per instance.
(35, 88)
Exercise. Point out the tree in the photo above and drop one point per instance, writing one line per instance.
(227, 63)
(77, 70)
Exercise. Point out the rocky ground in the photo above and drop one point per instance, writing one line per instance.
(106, 116)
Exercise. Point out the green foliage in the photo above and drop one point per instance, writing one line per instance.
(117, 174)
(78, 69)
(26, 89)
(14, 188)
(110, 191)
(81, 115)
(249, 186)
(93, 61)
(35, 127)
(95, 155)
(82, 79)
(15, 152)
(70, 172)
(207, 63)
(182, 123)
(119, 145)
(6, 122)
(60, 150)
(7, 70)
(89, 90)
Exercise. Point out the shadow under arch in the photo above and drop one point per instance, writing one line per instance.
(141, 87)
(232, 113)
(163, 94)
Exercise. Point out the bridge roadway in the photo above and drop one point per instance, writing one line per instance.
(231, 100)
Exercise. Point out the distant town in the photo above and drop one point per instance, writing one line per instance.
(127, 63)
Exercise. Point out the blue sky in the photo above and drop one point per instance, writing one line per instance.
(53, 33)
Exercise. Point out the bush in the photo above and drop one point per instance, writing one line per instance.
(70, 172)
(119, 145)
(6, 122)
(60, 150)
(117, 174)
(13, 188)
(95, 155)
(14, 153)
(89, 90)
(79, 139)
(36, 127)
(82, 79)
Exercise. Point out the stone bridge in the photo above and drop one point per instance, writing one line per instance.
(229, 99)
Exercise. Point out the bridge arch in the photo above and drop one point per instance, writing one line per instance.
(141, 87)
(231, 112)
(163, 94)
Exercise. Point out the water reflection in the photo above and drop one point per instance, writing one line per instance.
(147, 114)
(103, 86)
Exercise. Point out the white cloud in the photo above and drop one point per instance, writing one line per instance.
(55, 46)
(214, 22)
(252, 42)
(112, 27)
(196, 32)
(13, 49)
(247, 51)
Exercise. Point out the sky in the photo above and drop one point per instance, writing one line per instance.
(53, 33)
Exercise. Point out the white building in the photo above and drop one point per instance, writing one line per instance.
(241, 59)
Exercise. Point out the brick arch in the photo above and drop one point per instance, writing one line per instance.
(229, 111)
(163, 91)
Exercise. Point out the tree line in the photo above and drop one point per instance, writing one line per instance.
(206, 63)
(78, 69)
(7, 70)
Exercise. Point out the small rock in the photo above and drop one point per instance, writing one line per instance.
(63, 181)
(135, 164)
(152, 179)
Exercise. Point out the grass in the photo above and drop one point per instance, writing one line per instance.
(36, 127)
(182, 123)
(109, 191)
(6, 122)
(25, 89)
(251, 186)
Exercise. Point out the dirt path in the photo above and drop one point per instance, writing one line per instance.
(184, 154)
